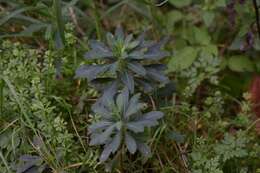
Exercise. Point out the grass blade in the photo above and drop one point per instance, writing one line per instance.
(14, 13)
(59, 21)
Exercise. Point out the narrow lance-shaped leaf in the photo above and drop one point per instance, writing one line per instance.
(130, 143)
(111, 147)
(137, 68)
(134, 106)
(107, 98)
(153, 115)
(98, 139)
(122, 100)
(90, 71)
(156, 75)
(135, 127)
(128, 80)
(99, 126)
(105, 153)
(99, 50)
(116, 141)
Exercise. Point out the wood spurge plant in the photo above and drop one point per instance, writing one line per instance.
(127, 61)
(121, 122)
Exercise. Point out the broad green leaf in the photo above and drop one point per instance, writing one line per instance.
(208, 17)
(210, 49)
(182, 59)
(240, 64)
(174, 16)
(180, 3)
(201, 36)
(220, 3)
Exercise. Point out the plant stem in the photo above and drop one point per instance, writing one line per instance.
(1, 97)
(257, 17)
(5, 162)
(121, 159)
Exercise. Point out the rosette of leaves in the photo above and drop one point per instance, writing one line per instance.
(121, 123)
(126, 60)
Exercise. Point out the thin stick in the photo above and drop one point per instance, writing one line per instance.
(257, 17)
(75, 21)
(5, 162)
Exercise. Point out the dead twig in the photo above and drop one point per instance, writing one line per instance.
(75, 21)
(257, 17)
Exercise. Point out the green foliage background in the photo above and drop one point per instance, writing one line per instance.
(45, 112)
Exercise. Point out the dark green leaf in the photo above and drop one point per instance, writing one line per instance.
(130, 143)
(99, 126)
(128, 80)
(99, 50)
(135, 127)
(97, 139)
(122, 100)
(182, 59)
(137, 68)
(134, 106)
(241, 64)
(91, 71)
